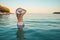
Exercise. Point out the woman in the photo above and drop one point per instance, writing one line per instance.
(20, 13)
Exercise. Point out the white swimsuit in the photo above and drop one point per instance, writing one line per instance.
(20, 24)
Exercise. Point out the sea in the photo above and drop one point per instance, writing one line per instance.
(37, 27)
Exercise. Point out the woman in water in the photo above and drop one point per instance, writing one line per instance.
(20, 13)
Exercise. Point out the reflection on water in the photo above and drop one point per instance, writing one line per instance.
(4, 20)
(20, 34)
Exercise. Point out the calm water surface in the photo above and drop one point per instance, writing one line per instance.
(37, 27)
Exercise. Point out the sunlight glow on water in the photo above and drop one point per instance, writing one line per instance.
(40, 21)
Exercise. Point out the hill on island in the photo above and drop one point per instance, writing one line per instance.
(4, 9)
(56, 13)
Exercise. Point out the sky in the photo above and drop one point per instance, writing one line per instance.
(33, 6)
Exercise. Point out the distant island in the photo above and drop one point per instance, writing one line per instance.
(4, 10)
(56, 13)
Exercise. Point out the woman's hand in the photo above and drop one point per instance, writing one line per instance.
(20, 12)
